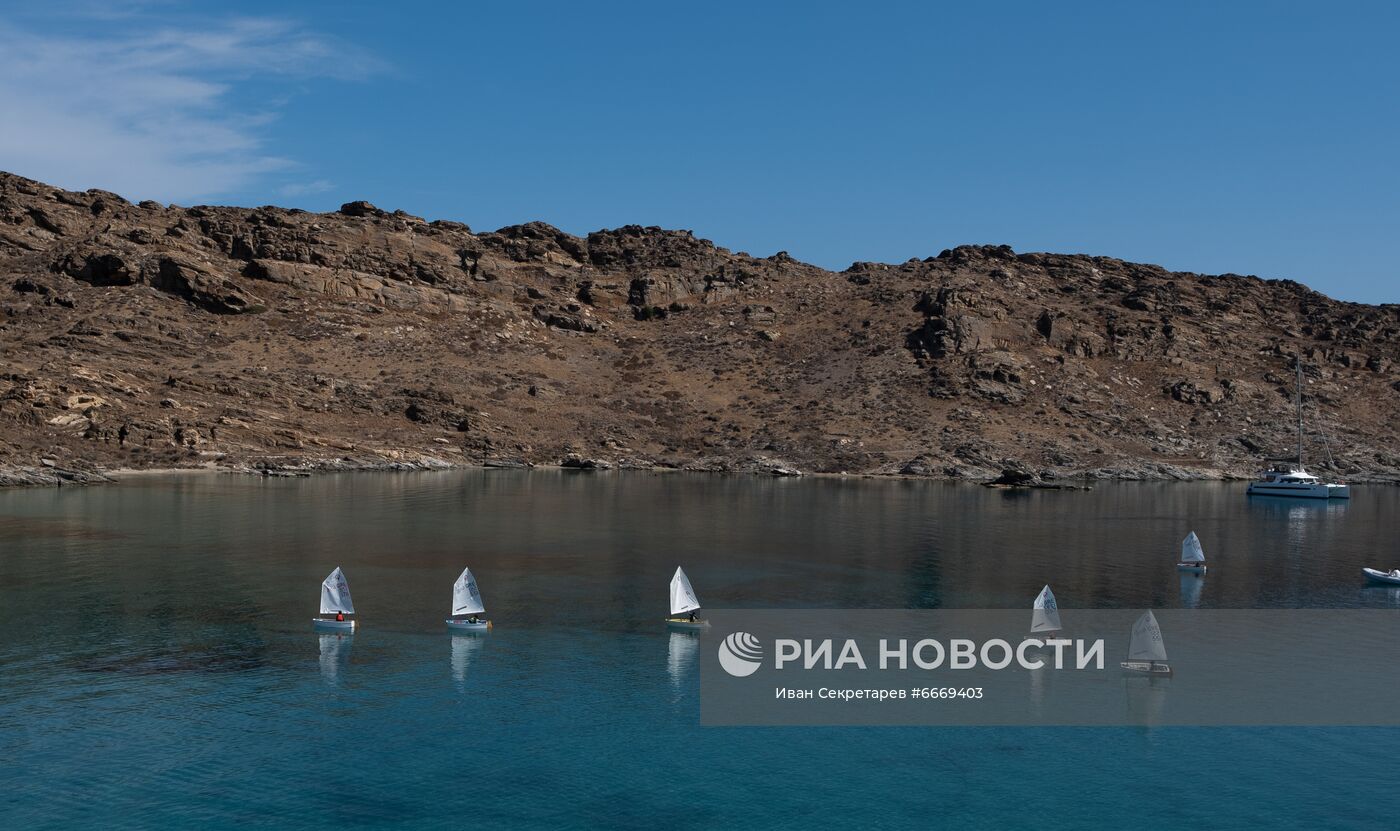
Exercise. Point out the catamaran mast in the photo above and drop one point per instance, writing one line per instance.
(1298, 362)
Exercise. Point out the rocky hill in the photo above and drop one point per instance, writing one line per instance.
(162, 336)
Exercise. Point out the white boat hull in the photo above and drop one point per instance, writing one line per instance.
(686, 624)
(1381, 576)
(1155, 668)
(467, 626)
(1297, 491)
(1195, 568)
(333, 625)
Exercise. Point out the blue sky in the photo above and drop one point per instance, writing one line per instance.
(1249, 138)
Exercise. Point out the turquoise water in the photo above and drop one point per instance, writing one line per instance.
(159, 669)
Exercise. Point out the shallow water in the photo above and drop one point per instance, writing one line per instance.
(159, 670)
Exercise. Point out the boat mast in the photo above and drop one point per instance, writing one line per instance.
(1298, 362)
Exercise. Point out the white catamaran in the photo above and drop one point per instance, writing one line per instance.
(1146, 652)
(1045, 615)
(684, 602)
(1288, 477)
(1193, 557)
(337, 608)
(467, 606)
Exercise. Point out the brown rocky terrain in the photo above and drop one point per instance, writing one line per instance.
(142, 336)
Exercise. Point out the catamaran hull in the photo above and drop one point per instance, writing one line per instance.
(1299, 491)
(325, 625)
(1195, 568)
(685, 624)
(467, 626)
(1381, 577)
(1146, 668)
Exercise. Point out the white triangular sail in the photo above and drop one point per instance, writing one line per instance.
(683, 597)
(466, 598)
(1191, 551)
(335, 594)
(1046, 617)
(1147, 643)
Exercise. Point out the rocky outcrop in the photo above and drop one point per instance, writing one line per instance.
(571, 317)
(201, 285)
(577, 462)
(190, 279)
(369, 338)
(49, 475)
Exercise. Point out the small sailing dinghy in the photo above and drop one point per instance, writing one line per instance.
(467, 606)
(684, 603)
(1146, 652)
(1193, 557)
(1391, 577)
(337, 609)
(1045, 617)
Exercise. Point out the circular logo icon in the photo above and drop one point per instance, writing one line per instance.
(740, 654)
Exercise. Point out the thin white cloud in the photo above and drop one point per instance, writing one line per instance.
(296, 189)
(146, 111)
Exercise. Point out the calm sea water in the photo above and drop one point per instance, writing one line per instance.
(158, 669)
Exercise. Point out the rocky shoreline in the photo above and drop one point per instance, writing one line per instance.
(44, 476)
(150, 336)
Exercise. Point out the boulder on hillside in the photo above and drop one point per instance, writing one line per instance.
(361, 208)
(572, 319)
